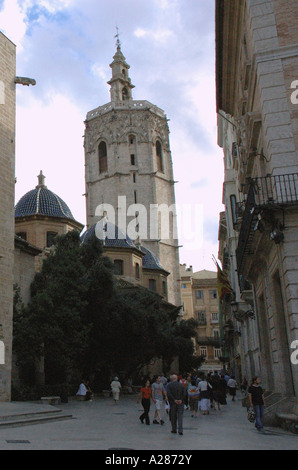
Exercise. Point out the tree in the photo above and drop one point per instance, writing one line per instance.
(81, 319)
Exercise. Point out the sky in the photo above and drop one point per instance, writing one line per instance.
(67, 46)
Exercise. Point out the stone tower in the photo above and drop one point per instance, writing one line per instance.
(7, 183)
(128, 165)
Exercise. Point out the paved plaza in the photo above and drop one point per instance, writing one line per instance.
(102, 425)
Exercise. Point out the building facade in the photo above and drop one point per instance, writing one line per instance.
(7, 182)
(256, 70)
(129, 172)
(200, 302)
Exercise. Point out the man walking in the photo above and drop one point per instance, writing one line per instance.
(176, 395)
(158, 395)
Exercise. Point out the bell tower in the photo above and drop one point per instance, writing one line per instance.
(128, 165)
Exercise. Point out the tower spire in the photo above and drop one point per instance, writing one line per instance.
(118, 43)
(120, 82)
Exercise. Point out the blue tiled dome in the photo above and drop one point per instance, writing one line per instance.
(42, 201)
(110, 234)
(150, 261)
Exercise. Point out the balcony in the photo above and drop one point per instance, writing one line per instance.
(267, 193)
(209, 341)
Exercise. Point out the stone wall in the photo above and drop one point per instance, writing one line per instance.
(7, 176)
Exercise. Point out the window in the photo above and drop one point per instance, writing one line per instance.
(125, 96)
(103, 157)
(51, 238)
(22, 235)
(134, 177)
(213, 294)
(214, 317)
(199, 295)
(152, 285)
(183, 286)
(159, 156)
(201, 317)
(132, 159)
(164, 288)
(135, 197)
(118, 267)
(217, 353)
(203, 351)
(137, 270)
(233, 203)
(216, 334)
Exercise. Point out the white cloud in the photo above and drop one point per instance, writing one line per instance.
(12, 21)
(158, 35)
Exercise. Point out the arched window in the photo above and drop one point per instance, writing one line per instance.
(125, 94)
(103, 157)
(159, 156)
(118, 267)
(137, 267)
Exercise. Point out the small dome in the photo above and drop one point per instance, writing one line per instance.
(42, 201)
(150, 261)
(109, 234)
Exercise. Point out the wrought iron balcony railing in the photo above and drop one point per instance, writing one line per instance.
(269, 192)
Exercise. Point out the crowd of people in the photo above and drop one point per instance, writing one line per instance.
(197, 393)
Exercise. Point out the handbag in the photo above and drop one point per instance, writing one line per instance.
(251, 415)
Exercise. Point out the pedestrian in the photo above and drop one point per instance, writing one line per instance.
(193, 398)
(257, 401)
(216, 394)
(116, 387)
(244, 385)
(84, 392)
(205, 389)
(176, 395)
(232, 386)
(222, 390)
(145, 397)
(158, 396)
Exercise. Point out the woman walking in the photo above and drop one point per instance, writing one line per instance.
(193, 398)
(116, 387)
(205, 389)
(145, 396)
(257, 401)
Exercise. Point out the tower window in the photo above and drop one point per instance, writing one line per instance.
(118, 267)
(103, 157)
(137, 268)
(152, 285)
(125, 94)
(132, 159)
(134, 177)
(50, 238)
(159, 156)
(135, 197)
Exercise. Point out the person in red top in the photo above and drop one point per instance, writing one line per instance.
(145, 396)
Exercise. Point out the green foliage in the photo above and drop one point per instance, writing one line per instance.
(81, 321)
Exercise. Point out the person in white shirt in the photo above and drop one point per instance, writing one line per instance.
(232, 385)
(116, 387)
(204, 389)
